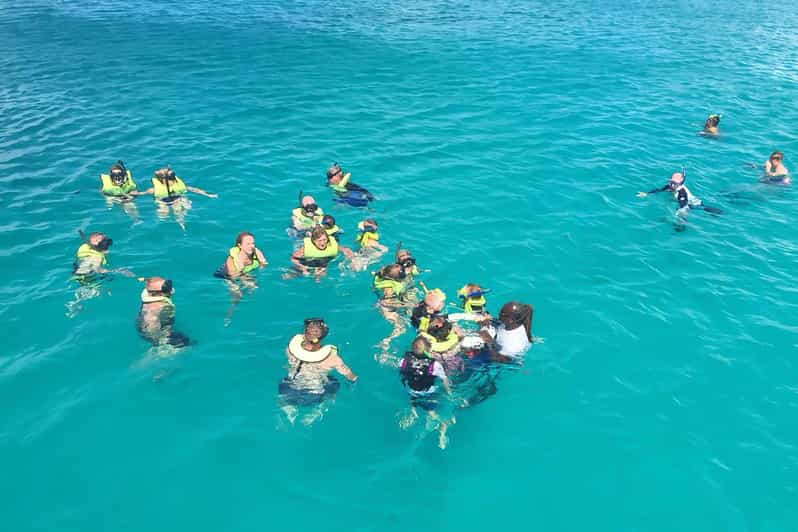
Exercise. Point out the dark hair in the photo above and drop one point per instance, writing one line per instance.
(241, 236)
(520, 313)
(777, 153)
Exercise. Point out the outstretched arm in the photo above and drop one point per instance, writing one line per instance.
(201, 192)
(653, 191)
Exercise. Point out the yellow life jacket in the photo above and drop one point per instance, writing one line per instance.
(112, 189)
(470, 302)
(341, 186)
(86, 251)
(364, 238)
(307, 222)
(234, 251)
(175, 188)
(442, 346)
(147, 298)
(381, 283)
(332, 231)
(316, 257)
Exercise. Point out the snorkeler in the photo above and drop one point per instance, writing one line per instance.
(242, 259)
(170, 192)
(711, 125)
(421, 375)
(513, 336)
(430, 306)
(307, 215)
(317, 251)
(390, 288)
(309, 381)
(346, 191)
(682, 195)
(444, 338)
(775, 171)
(329, 225)
(369, 247)
(156, 316)
(118, 183)
(90, 268)
(406, 260)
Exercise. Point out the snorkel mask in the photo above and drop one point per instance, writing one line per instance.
(328, 221)
(118, 173)
(334, 171)
(473, 300)
(103, 244)
(439, 328)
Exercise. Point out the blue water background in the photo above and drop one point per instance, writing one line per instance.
(505, 142)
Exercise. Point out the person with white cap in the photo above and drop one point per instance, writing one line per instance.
(310, 363)
(307, 215)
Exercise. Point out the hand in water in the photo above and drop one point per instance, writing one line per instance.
(642, 194)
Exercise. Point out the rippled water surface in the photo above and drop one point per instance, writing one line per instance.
(505, 142)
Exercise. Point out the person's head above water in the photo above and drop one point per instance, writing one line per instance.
(118, 173)
(99, 241)
(776, 157)
(712, 121)
(369, 224)
(309, 205)
(315, 330)
(334, 174)
(159, 286)
(393, 271)
(404, 258)
(472, 297)
(246, 241)
(165, 174)
(328, 221)
(676, 180)
(420, 345)
(319, 237)
(439, 327)
(514, 314)
(435, 299)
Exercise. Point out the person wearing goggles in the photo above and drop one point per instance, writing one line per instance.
(775, 171)
(346, 191)
(681, 194)
(307, 216)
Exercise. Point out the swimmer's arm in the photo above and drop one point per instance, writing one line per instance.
(348, 253)
(141, 192)
(495, 356)
(769, 168)
(230, 266)
(261, 258)
(383, 248)
(299, 254)
(201, 192)
(344, 370)
(653, 191)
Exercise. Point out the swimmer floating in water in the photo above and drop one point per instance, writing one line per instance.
(307, 216)
(170, 192)
(156, 318)
(421, 375)
(90, 269)
(390, 288)
(118, 187)
(682, 195)
(711, 125)
(316, 253)
(309, 382)
(329, 225)
(775, 171)
(346, 191)
(513, 336)
(242, 260)
(369, 247)
(430, 306)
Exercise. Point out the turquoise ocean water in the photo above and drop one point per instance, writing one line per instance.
(505, 142)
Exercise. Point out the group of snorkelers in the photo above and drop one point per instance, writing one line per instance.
(451, 352)
(774, 173)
